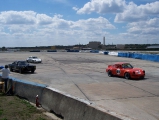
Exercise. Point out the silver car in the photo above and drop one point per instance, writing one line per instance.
(33, 59)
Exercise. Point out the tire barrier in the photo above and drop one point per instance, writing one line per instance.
(106, 53)
(51, 50)
(150, 57)
(94, 51)
(72, 50)
(65, 106)
(35, 51)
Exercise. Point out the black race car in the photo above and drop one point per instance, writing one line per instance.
(21, 66)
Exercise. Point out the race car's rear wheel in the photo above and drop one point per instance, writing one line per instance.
(110, 73)
(11, 69)
(127, 75)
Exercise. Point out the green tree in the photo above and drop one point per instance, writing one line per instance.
(3, 48)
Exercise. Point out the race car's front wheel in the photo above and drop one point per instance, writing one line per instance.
(32, 71)
(110, 73)
(127, 75)
(20, 71)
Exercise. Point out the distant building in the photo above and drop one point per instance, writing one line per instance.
(94, 44)
(76, 48)
(13, 49)
(53, 47)
(110, 47)
(86, 49)
(153, 47)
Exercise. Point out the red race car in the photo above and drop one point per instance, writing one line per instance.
(125, 70)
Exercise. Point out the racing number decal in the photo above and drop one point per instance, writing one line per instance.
(118, 71)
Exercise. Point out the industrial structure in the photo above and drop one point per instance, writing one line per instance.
(94, 44)
(103, 41)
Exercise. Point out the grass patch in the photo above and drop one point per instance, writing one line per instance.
(14, 108)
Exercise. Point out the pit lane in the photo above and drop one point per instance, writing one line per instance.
(83, 75)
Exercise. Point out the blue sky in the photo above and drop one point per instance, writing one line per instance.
(68, 22)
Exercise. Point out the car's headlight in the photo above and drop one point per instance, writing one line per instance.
(137, 72)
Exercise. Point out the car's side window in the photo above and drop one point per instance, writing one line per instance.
(123, 66)
(14, 63)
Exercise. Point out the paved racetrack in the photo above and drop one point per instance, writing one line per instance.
(83, 75)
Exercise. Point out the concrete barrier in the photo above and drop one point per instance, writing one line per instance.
(113, 53)
(71, 108)
(27, 90)
(66, 106)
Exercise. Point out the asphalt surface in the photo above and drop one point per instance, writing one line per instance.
(83, 75)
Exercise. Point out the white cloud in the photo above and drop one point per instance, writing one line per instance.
(92, 24)
(40, 29)
(138, 13)
(144, 27)
(75, 8)
(125, 12)
(43, 19)
(29, 28)
(14, 17)
(103, 6)
(151, 8)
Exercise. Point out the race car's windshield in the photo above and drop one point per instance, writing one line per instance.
(127, 65)
(23, 63)
(35, 57)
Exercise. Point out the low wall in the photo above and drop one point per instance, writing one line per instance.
(27, 90)
(70, 108)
